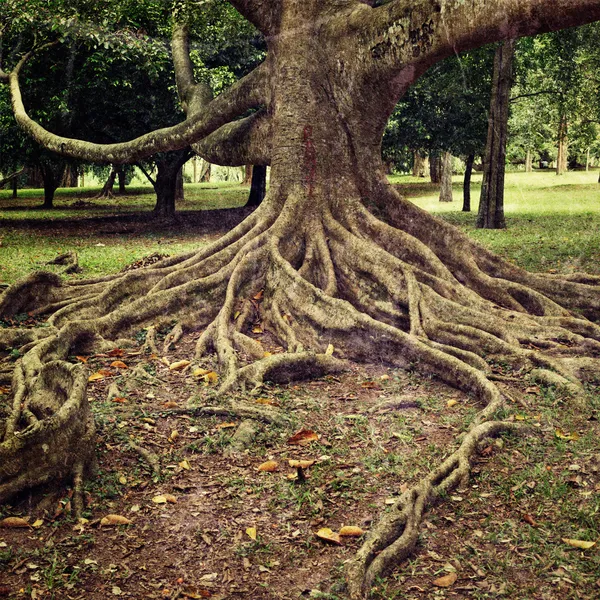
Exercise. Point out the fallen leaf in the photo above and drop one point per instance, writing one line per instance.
(257, 330)
(184, 464)
(329, 536)
(446, 580)
(370, 385)
(226, 425)
(532, 389)
(180, 364)
(451, 403)
(14, 522)
(259, 295)
(119, 364)
(251, 533)
(581, 544)
(529, 519)
(174, 435)
(560, 434)
(329, 350)
(119, 400)
(160, 499)
(96, 376)
(115, 520)
(123, 480)
(267, 401)
(303, 437)
(351, 531)
(37, 523)
(82, 359)
(116, 352)
(171, 499)
(170, 404)
(200, 372)
(269, 466)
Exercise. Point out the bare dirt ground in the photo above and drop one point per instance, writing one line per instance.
(212, 525)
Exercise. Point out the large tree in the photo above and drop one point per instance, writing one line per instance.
(341, 258)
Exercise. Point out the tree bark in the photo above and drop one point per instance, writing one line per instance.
(258, 187)
(563, 143)
(15, 187)
(50, 185)
(122, 176)
(491, 203)
(420, 164)
(435, 167)
(179, 190)
(528, 162)
(467, 183)
(247, 180)
(446, 178)
(107, 188)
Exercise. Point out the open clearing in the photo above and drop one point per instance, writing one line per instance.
(213, 526)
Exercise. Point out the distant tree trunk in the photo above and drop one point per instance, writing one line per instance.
(179, 192)
(107, 188)
(435, 168)
(467, 183)
(587, 161)
(491, 204)
(563, 142)
(446, 178)
(82, 178)
(247, 175)
(258, 187)
(420, 164)
(204, 171)
(50, 186)
(69, 177)
(15, 187)
(528, 162)
(122, 176)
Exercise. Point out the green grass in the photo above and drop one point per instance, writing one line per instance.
(553, 223)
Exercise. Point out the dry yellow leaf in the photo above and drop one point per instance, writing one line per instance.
(303, 437)
(119, 364)
(200, 372)
(566, 436)
(180, 364)
(171, 499)
(82, 359)
(351, 531)
(329, 350)
(267, 401)
(251, 533)
(96, 377)
(184, 464)
(115, 520)
(446, 580)
(174, 435)
(160, 499)
(14, 522)
(226, 425)
(329, 536)
(451, 403)
(257, 330)
(37, 523)
(269, 466)
(581, 544)
(123, 480)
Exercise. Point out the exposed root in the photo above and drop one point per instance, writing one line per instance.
(149, 457)
(70, 260)
(328, 285)
(243, 437)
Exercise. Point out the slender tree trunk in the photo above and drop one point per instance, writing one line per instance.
(50, 186)
(179, 191)
(528, 162)
(491, 204)
(563, 142)
(248, 171)
(107, 188)
(122, 176)
(446, 178)
(435, 168)
(258, 186)
(587, 161)
(467, 183)
(15, 187)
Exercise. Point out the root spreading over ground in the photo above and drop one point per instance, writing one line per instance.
(405, 289)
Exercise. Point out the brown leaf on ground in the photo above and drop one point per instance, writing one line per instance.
(115, 520)
(269, 466)
(82, 359)
(118, 364)
(351, 531)
(529, 519)
(14, 522)
(179, 365)
(303, 437)
(226, 425)
(115, 352)
(330, 536)
(446, 580)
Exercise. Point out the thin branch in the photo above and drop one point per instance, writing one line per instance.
(146, 174)
(540, 93)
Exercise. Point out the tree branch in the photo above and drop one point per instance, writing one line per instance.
(243, 142)
(263, 14)
(532, 94)
(249, 92)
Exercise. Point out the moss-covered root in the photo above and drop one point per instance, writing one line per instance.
(49, 434)
(396, 534)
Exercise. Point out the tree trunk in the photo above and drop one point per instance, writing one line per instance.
(248, 172)
(107, 188)
(491, 203)
(435, 167)
(587, 161)
(165, 187)
(15, 187)
(446, 178)
(50, 186)
(69, 177)
(563, 143)
(179, 191)
(420, 164)
(528, 162)
(258, 187)
(467, 183)
(122, 176)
